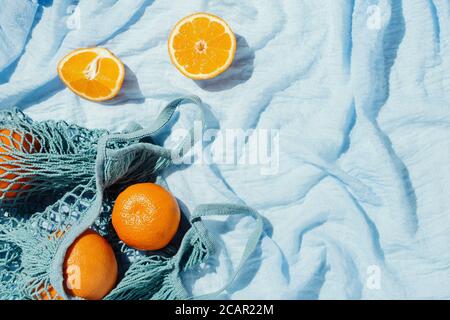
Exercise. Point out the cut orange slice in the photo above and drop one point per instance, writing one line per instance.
(92, 73)
(202, 46)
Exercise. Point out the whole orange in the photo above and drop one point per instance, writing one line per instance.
(90, 267)
(146, 216)
(14, 141)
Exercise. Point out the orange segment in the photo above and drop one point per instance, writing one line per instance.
(108, 72)
(214, 29)
(202, 46)
(92, 73)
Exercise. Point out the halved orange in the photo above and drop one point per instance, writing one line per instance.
(92, 73)
(202, 46)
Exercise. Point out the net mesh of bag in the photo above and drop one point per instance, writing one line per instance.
(87, 175)
(40, 160)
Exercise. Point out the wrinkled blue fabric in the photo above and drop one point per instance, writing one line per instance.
(16, 19)
(358, 91)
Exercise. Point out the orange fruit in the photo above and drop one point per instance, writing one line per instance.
(14, 141)
(51, 291)
(92, 73)
(90, 267)
(202, 46)
(146, 216)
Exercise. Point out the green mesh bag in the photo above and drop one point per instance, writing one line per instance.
(42, 159)
(81, 172)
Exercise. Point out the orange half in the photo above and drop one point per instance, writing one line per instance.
(93, 73)
(202, 46)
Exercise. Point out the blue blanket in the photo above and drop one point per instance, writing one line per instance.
(338, 113)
